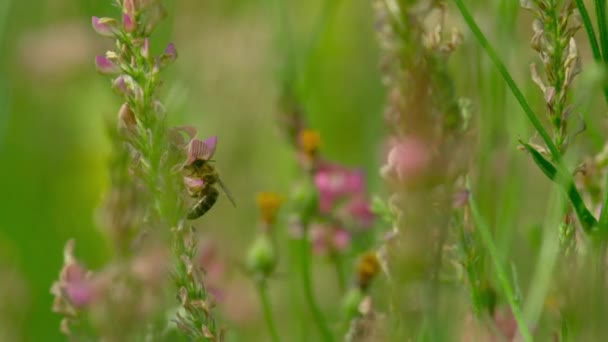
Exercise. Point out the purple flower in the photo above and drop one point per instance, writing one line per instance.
(106, 27)
(128, 23)
(169, 55)
(201, 149)
(105, 66)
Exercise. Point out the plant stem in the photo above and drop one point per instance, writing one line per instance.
(564, 179)
(595, 50)
(267, 311)
(339, 268)
(307, 283)
(507, 77)
(600, 12)
(486, 238)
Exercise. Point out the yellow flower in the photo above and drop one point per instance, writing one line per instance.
(310, 141)
(268, 204)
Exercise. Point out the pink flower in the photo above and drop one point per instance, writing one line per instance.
(333, 182)
(80, 294)
(201, 149)
(212, 265)
(106, 27)
(127, 23)
(145, 49)
(105, 66)
(73, 290)
(408, 161)
(358, 210)
(328, 239)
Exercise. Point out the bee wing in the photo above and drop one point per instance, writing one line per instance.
(226, 191)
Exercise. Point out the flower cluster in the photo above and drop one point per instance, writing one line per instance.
(145, 200)
(555, 25)
(114, 302)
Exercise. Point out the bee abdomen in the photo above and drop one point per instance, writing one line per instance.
(204, 204)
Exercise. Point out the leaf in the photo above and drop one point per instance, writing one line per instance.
(566, 182)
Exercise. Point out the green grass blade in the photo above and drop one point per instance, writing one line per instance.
(600, 11)
(486, 237)
(566, 182)
(587, 220)
(595, 49)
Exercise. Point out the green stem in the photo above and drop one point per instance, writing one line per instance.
(603, 222)
(483, 41)
(339, 268)
(267, 311)
(595, 50)
(308, 293)
(328, 12)
(600, 11)
(486, 237)
(564, 179)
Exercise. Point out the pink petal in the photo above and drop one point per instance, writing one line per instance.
(73, 272)
(127, 23)
(193, 182)
(341, 239)
(128, 6)
(106, 27)
(145, 49)
(120, 85)
(211, 144)
(358, 208)
(318, 239)
(105, 66)
(80, 294)
(170, 50)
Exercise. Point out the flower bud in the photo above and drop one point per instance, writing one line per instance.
(351, 301)
(128, 6)
(305, 201)
(119, 85)
(126, 118)
(106, 27)
(128, 23)
(105, 66)
(169, 55)
(145, 49)
(153, 15)
(261, 258)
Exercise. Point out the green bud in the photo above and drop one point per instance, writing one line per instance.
(305, 201)
(262, 258)
(351, 301)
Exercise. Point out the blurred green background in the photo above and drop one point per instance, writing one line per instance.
(53, 149)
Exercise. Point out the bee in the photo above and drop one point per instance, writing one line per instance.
(201, 179)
